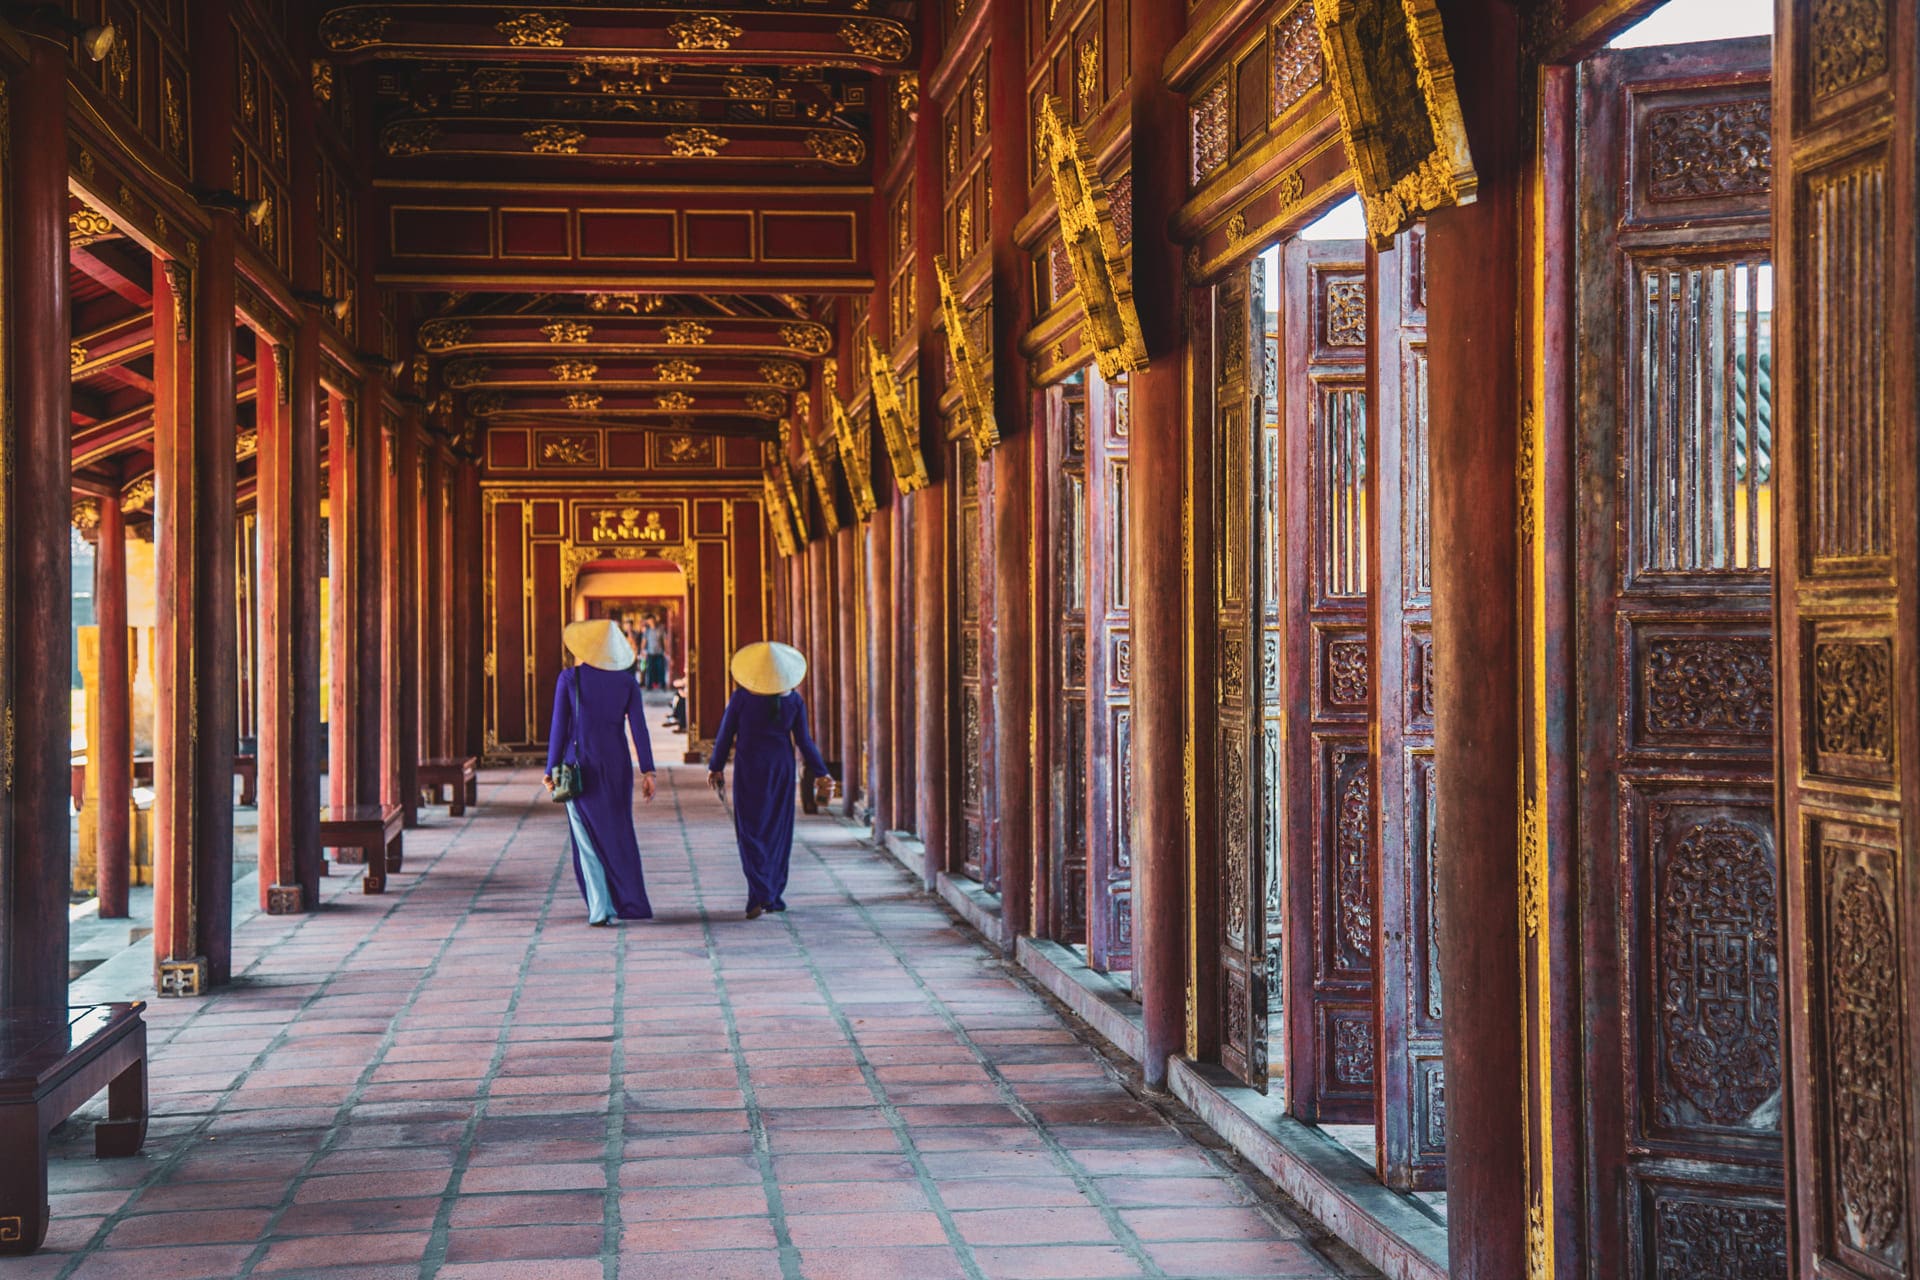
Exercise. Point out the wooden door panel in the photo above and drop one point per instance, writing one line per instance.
(1674, 461)
(1326, 682)
(1109, 889)
(974, 679)
(1074, 564)
(1410, 1081)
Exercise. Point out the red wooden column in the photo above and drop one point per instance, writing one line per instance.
(1473, 257)
(344, 571)
(847, 660)
(879, 669)
(469, 680)
(110, 759)
(38, 636)
(430, 620)
(279, 622)
(927, 509)
(1154, 535)
(820, 654)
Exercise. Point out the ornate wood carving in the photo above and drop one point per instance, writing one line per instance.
(1853, 712)
(1710, 149)
(1102, 274)
(972, 364)
(853, 457)
(1705, 684)
(779, 517)
(1715, 1240)
(900, 431)
(1393, 83)
(1297, 66)
(1210, 133)
(822, 480)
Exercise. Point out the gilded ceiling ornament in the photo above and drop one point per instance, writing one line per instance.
(496, 80)
(567, 331)
(583, 399)
(76, 357)
(120, 66)
(676, 371)
(906, 94)
(440, 335)
(422, 368)
(822, 481)
(772, 404)
(575, 370)
(783, 373)
(86, 223)
(572, 451)
(485, 404)
(839, 147)
(282, 376)
(534, 30)
(1087, 80)
(409, 137)
(249, 105)
(972, 366)
(137, 496)
(901, 434)
(555, 139)
(1102, 272)
(246, 444)
(322, 72)
(953, 148)
(878, 38)
(778, 518)
(686, 449)
(1208, 129)
(813, 339)
(697, 141)
(674, 401)
(749, 86)
(1236, 228)
(853, 460)
(86, 515)
(686, 333)
(345, 30)
(467, 373)
(172, 119)
(632, 304)
(979, 96)
(704, 32)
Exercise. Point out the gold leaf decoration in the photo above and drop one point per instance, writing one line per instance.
(555, 139)
(137, 496)
(462, 374)
(783, 373)
(571, 451)
(778, 517)
(810, 338)
(345, 30)
(575, 370)
(85, 224)
(972, 368)
(900, 432)
(822, 482)
(1087, 79)
(695, 142)
(439, 335)
(483, 405)
(76, 357)
(674, 401)
(906, 94)
(583, 399)
(567, 331)
(876, 38)
(842, 148)
(246, 444)
(676, 371)
(686, 333)
(853, 460)
(704, 32)
(322, 71)
(1102, 273)
(632, 304)
(770, 403)
(749, 87)
(86, 515)
(534, 30)
(409, 137)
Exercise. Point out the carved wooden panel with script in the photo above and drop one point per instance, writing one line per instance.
(1673, 486)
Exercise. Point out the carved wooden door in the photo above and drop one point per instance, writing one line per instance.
(1410, 1098)
(1673, 456)
(1849, 597)
(973, 721)
(1109, 680)
(1324, 682)
(1240, 313)
(1067, 586)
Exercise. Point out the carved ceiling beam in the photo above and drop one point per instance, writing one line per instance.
(834, 36)
(133, 429)
(112, 344)
(604, 327)
(700, 137)
(570, 370)
(618, 88)
(694, 406)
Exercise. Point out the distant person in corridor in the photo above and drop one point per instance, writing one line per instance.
(765, 721)
(653, 650)
(595, 705)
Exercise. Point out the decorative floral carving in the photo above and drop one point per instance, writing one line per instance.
(574, 370)
(534, 30)
(76, 357)
(86, 224)
(970, 766)
(689, 450)
(674, 401)
(1717, 969)
(877, 38)
(1863, 1044)
(409, 137)
(686, 333)
(770, 404)
(1346, 313)
(1352, 861)
(137, 496)
(838, 147)
(1297, 69)
(1702, 1240)
(813, 339)
(1236, 229)
(676, 371)
(86, 516)
(467, 373)
(1233, 669)
(1353, 1051)
(440, 335)
(632, 304)
(173, 119)
(1347, 673)
(695, 143)
(782, 373)
(1715, 149)
(345, 30)
(1853, 698)
(704, 32)
(1848, 44)
(568, 451)
(1210, 135)
(555, 139)
(1086, 81)
(586, 400)
(482, 405)
(1234, 836)
(322, 73)
(568, 332)
(1696, 684)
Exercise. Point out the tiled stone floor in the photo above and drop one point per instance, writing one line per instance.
(461, 1080)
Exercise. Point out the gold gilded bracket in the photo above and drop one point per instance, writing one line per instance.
(972, 368)
(822, 481)
(791, 493)
(1399, 115)
(901, 433)
(1102, 275)
(853, 461)
(777, 515)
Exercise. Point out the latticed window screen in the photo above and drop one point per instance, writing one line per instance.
(1700, 461)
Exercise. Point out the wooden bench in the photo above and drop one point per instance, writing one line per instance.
(368, 833)
(247, 769)
(460, 776)
(51, 1061)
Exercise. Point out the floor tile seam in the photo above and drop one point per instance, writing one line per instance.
(188, 1140)
(902, 1133)
(344, 1112)
(612, 1220)
(756, 1123)
(436, 1252)
(1084, 1182)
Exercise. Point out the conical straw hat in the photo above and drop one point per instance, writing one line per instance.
(769, 667)
(598, 643)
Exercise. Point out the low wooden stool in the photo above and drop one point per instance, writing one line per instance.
(370, 833)
(51, 1061)
(247, 769)
(460, 775)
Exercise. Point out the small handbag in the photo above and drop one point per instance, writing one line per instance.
(570, 775)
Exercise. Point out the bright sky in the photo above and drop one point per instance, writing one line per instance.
(1345, 221)
(1687, 21)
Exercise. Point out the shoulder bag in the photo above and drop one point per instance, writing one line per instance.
(570, 775)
